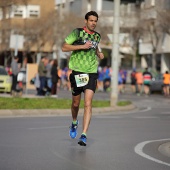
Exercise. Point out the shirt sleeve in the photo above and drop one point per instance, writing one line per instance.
(72, 37)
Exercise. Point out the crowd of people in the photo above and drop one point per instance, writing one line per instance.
(104, 79)
(49, 78)
(140, 80)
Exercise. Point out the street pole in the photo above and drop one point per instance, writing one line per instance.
(16, 45)
(115, 55)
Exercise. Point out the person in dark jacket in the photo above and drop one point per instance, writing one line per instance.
(42, 75)
(15, 71)
(54, 78)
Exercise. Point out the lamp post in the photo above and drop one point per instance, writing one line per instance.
(115, 55)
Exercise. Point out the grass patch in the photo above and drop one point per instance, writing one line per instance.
(43, 103)
(124, 103)
(48, 103)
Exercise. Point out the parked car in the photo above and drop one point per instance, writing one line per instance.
(157, 84)
(5, 81)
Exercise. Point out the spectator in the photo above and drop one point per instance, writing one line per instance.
(59, 77)
(68, 79)
(124, 79)
(147, 77)
(123, 74)
(64, 78)
(139, 82)
(100, 79)
(166, 82)
(48, 76)
(133, 80)
(120, 82)
(54, 78)
(42, 75)
(37, 82)
(15, 71)
(107, 78)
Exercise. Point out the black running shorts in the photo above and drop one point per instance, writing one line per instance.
(92, 83)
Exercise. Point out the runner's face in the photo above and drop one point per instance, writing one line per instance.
(91, 23)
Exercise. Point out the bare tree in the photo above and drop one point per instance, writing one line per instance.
(163, 19)
(5, 26)
(154, 32)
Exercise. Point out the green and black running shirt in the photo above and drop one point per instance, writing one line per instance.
(83, 60)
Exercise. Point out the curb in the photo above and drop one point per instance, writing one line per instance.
(61, 112)
(164, 149)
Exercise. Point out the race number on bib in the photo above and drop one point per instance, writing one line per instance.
(81, 79)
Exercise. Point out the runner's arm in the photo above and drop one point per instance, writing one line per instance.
(68, 47)
(99, 53)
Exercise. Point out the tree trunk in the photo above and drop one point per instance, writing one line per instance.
(154, 60)
(134, 59)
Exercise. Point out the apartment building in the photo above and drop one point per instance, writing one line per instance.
(20, 25)
(156, 40)
(128, 14)
(21, 19)
(131, 16)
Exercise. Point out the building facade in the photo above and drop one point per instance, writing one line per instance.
(156, 41)
(26, 27)
(21, 28)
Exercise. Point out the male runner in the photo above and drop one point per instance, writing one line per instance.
(83, 63)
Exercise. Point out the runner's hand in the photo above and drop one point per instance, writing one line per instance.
(100, 55)
(87, 45)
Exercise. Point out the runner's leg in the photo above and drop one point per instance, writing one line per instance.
(75, 106)
(88, 96)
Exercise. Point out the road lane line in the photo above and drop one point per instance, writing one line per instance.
(145, 110)
(139, 150)
(145, 117)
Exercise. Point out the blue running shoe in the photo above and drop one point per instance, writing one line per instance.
(82, 140)
(73, 130)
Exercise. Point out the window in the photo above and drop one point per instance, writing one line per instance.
(30, 11)
(19, 12)
(33, 11)
(16, 12)
(58, 2)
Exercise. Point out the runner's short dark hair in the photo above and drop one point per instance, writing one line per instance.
(91, 13)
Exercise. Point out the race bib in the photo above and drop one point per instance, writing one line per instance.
(82, 79)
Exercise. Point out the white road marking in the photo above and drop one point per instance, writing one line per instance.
(145, 117)
(145, 110)
(139, 150)
(109, 117)
(165, 112)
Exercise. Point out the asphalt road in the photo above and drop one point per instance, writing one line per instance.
(115, 141)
